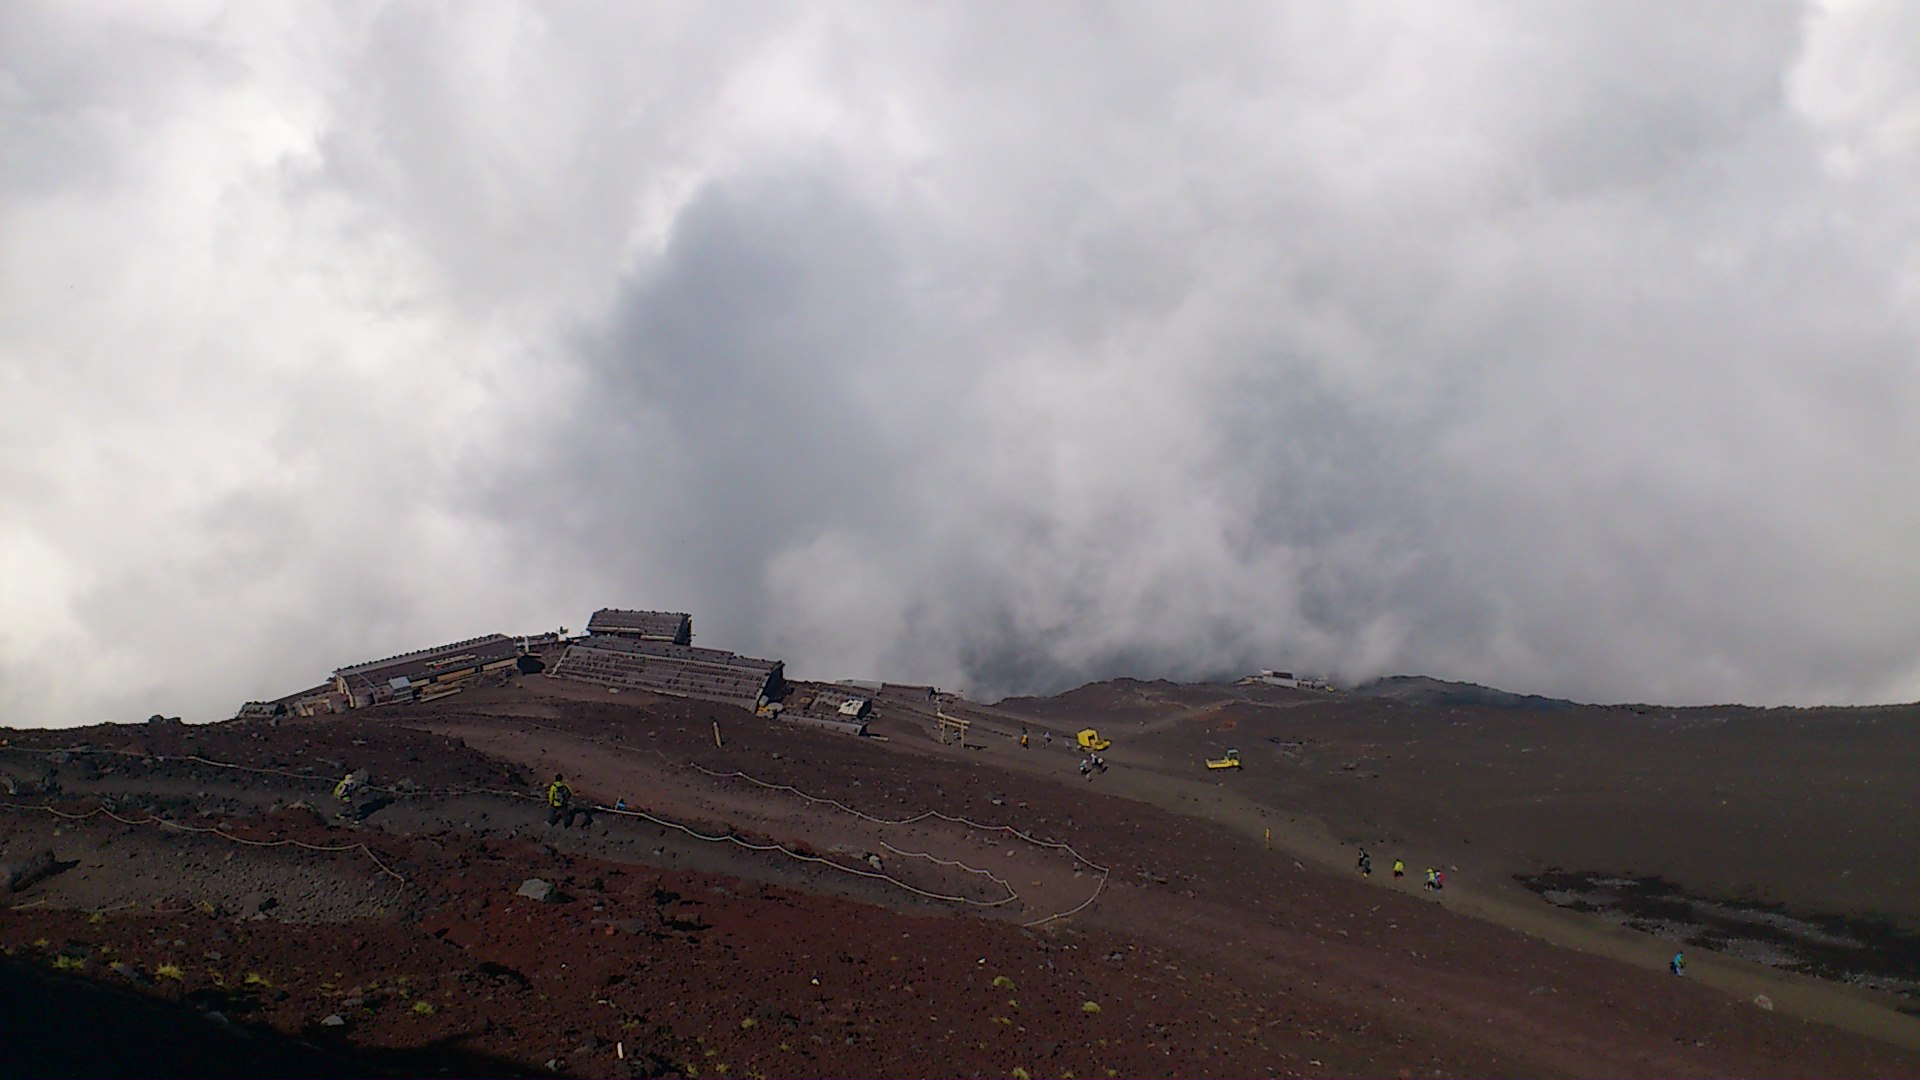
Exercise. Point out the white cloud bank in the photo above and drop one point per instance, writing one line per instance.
(1573, 349)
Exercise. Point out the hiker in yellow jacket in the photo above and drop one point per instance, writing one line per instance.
(348, 792)
(560, 802)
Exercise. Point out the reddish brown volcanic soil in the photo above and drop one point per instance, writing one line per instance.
(1137, 924)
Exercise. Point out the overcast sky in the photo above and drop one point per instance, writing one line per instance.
(1573, 349)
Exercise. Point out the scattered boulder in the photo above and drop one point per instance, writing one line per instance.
(1763, 1001)
(130, 973)
(538, 889)
(334, 1020)
(47, 783)
(18, 874)
(649, 1065)
(774, 1014)
(504, 974)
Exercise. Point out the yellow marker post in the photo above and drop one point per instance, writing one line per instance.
(1269, 839)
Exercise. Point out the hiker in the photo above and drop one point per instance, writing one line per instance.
(348, 792)
(1046, 738)
(1433, 878)
(1086, 768)
(1366, 863)
(1099, 763)
(1399, 868)
(560, 802)
(1678, 965)
(1023, 738)
(1439, 880)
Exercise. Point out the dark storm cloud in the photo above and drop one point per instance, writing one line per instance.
(727, 409)
(1569, 349)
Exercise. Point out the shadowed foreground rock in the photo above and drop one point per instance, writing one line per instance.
(59, 1026)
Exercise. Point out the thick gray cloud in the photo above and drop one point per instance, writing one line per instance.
(1569, 348)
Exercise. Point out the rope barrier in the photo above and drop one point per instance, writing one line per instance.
(306, 776)
(1012, 894)
(223, 834)
(923, 815)
(1105, 872)
(932, 858)
(1082, 905)
(803, 857)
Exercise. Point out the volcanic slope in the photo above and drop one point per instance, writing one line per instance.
(791, 902)
(1780, 835)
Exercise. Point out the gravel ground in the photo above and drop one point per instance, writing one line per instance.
(1191, 951)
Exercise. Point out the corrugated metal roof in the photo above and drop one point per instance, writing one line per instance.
(666, 625)
(411, 666)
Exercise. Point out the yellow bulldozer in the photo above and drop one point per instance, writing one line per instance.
(1231, 761)
(1091, 740)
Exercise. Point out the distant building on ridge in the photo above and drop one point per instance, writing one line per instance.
(673, 627)
(664, 667)
(425, 674)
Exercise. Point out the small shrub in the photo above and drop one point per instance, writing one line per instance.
(169, 971)
(1089, 1006)
(1001, 982)
(423, 1008)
